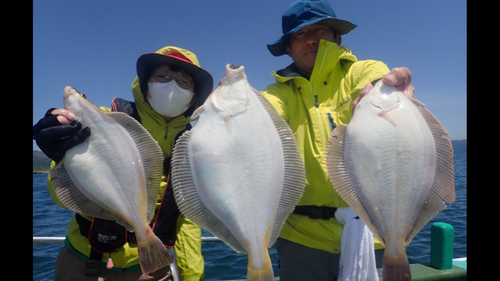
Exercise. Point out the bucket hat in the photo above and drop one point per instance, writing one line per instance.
(303, 13)
(185, 59)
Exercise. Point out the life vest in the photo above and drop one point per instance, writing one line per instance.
(107, 236)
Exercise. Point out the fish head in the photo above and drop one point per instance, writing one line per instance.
(380, 101)
(384, 97)
(234, 73)
(73, 101)
(233, 93)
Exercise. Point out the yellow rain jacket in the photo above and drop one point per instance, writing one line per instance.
(188, 244)
(313, 108)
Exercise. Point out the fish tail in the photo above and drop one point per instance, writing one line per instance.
(264, 273)
(153, 255)
(396, 268)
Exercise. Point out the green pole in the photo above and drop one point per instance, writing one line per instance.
(442, 238)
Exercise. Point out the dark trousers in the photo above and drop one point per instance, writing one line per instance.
(298, 262)
(71, 267)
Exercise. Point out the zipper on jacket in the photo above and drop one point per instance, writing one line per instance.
(323, 140)
(332, 124)
(318, 114)
(336, 196)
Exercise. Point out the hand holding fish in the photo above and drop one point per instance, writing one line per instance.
(399, 77)
(63, 116)
(57, 132)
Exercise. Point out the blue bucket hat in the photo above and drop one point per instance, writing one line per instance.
(303, 13)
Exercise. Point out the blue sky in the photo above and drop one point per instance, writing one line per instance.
(93, 45)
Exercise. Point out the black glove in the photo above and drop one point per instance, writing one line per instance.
(54, 139)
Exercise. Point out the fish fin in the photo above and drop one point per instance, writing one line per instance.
(295, 176)
(73, 199)
(443, 186)
(444, 181)
(387, 116)
(257, 274)
(153, 255)
(151, 156)
(188, 200)
(396, 268)
(196, 114)
(340, 179)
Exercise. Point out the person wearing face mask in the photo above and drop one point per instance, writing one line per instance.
(169, 86)
(170, 93)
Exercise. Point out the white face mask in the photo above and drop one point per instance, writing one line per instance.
(168, 99)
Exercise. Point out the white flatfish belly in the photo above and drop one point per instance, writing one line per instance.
(393, 165)
(115, 174)
(238, 173)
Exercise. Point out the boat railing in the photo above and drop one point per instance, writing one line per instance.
(59, 240)
(442, 266)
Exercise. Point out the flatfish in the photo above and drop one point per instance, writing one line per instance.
(393, 165)
(238, 173)
(115, 174)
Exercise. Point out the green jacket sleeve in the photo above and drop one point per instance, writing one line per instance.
(365, 72)
(273, 95)
(188, 250)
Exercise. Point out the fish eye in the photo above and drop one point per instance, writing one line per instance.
(80, 93)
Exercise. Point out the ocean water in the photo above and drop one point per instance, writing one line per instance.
(222, 263)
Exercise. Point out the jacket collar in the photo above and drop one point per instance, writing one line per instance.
(328, 57)
(290, 71)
